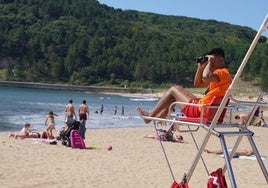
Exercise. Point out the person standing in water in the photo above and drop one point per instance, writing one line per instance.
(83, 112)
(122, 110)
(115, 110)
(70, 115)
(101, 109)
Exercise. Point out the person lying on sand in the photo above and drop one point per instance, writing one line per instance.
(175, 138)
(25, 133)
(238, 152)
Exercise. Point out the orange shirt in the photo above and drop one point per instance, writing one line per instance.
(217, 88)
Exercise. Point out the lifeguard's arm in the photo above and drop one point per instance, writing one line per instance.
(198, 80)
(204, 74)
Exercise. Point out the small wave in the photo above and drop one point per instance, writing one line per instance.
(103, 99)
(143, 99)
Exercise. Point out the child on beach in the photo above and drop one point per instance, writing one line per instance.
(24, 133)
(50, 123)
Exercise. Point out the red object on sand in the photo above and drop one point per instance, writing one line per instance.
(179, 185)
(217, 179)
(109, 148)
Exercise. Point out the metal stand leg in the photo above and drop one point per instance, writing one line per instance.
(256, 152)
(227, 161)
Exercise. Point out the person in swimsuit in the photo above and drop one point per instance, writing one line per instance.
(122, 110)
(115, 110)
(25, 133)
(70, 115)
(242, 117)
(237, 153)
(101, 108)
(83, 112)
(50, 124)
(211, 73)
(175, 138)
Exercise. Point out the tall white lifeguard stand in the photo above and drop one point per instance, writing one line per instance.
(214, 127)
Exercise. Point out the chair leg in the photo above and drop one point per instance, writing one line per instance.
(258, 156)
(228, 161)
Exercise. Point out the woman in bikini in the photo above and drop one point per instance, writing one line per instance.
(50, 123)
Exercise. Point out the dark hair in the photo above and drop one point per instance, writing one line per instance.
(70, 101)
(84, 101)
(216, 52)
(27, 124)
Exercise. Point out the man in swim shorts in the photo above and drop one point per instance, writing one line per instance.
(83, 112)
(70, 115)
(212, 73)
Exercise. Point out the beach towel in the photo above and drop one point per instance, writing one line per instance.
(76, 140)
(46, 141)
(250, 157)
(216, 179)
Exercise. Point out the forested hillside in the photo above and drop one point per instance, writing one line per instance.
(86, 43)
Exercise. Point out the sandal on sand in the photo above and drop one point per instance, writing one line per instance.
(53, 142)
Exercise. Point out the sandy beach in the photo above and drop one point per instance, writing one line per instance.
(133, 162)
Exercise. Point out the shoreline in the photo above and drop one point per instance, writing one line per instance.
(66, 87)
(241, 92)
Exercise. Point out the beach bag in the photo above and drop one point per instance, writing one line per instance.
(76, 140)
(216, 179)
(179, 185)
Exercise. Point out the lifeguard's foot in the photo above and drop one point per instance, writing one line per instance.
(143, 113)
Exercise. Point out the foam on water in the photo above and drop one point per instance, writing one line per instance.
(144, 99)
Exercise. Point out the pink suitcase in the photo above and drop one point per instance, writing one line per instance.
(76, 140)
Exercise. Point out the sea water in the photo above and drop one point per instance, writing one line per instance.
(19, 106)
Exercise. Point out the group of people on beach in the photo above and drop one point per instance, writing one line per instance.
(211, 73)
(26, 132)
(69, 118)
(257, 119)
(115, 109)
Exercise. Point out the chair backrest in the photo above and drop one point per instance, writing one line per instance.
(209, 113)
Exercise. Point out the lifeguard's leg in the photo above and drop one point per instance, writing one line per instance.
(175, 93)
